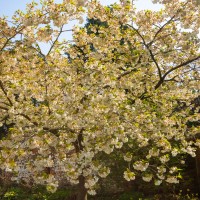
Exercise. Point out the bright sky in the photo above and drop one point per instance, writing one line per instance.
(8, 7)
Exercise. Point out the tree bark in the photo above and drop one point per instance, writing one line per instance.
(198, 167)
(82, 191)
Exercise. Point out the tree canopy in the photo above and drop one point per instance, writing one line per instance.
(125, 85)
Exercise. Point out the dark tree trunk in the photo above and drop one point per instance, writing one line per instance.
(198, 167)
(82, 192)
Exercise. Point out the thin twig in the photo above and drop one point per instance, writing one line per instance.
(17, 32)
(55, 41)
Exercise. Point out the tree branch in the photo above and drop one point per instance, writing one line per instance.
(160, 82)
(155, 61)
(51, 130)
(161, 28)
(3, 108)
(128, 72)
(5, 93)
(150, 51)
(28, 118)
(11, 38)
(55, 41)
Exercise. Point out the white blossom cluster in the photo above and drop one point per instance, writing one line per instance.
(118, 91)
